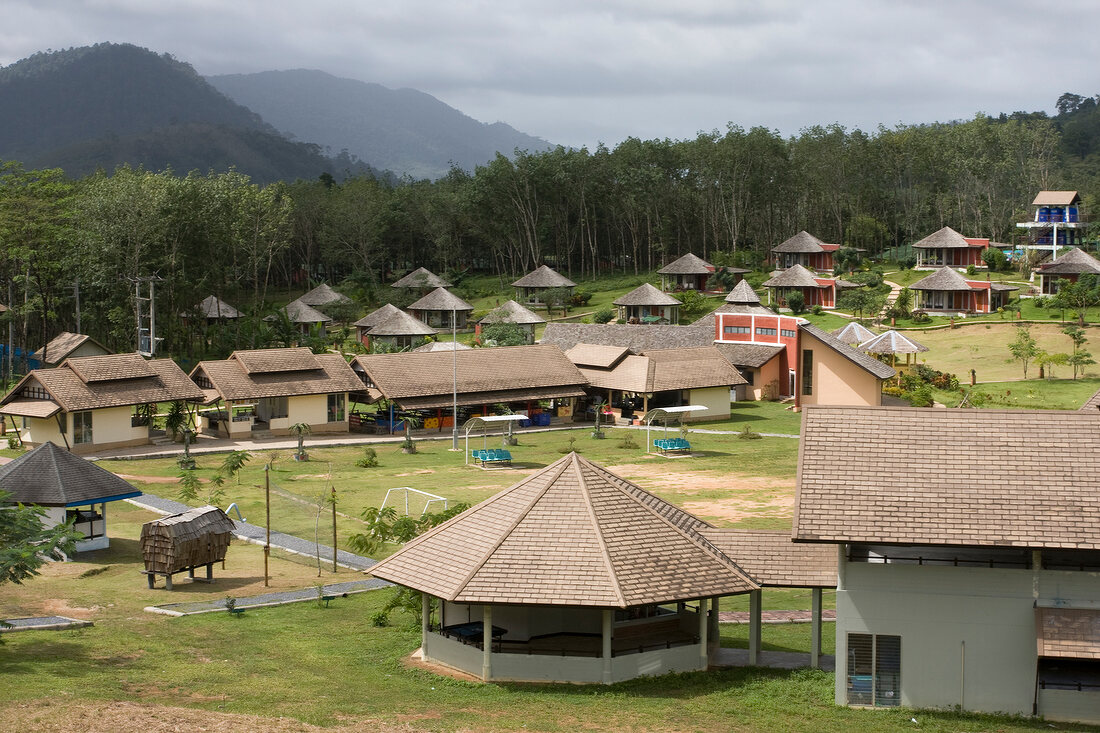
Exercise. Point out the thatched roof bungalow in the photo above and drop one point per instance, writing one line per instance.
(441, 309)
(421, 279)
(530, 287)
(391, 325)
(806, 250)
(512, 312)
(647, 304)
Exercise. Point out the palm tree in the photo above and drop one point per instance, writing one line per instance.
(301, 429)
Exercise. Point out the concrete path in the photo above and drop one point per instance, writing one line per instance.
(776, 660)
(278, 598)
(41, 623)
(891, 298)
(256, 535)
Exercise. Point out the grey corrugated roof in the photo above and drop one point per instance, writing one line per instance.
(795, 276)
(869, 364)
(52, 476)
(688, 264)
(441, 299)
(543, 277)
(645, 294)
(943, 279)
(512, 312)
(944, 238)
(801, 243)
(1072, 262)
(421, 278)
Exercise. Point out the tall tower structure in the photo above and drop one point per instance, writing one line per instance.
(1055, 223)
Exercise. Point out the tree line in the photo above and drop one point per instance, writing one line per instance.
(728, 196)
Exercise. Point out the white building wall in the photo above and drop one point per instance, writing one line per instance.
(716, 399)
(967, 634)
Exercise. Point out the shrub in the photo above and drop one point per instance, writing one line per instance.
(603, 316)
(579, 298)
(994, 259)
(379, 619)
(796, 302)
(13, 442)
(748, 433)
(919, 316)
(818, 310)
(627, 442)
(971, 271)
(369, 459)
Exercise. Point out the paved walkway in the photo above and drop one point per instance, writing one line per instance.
(278, 598)
(41, 623)
(775, 617)
(777, 660)
(256, 535)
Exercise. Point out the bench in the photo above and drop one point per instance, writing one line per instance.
(327, 599)
(492, 456)
(672, 445)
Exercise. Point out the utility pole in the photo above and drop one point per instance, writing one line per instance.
(146, 335)
(333, 527)
(76, 294)
(267, 503)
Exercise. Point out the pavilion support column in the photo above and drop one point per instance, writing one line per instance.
(425, 623)
(755, 598)
(815, 632)
(487, 642)
(606, 651)
(712, 630)
(704, 660)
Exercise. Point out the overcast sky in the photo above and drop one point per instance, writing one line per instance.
(578, 72)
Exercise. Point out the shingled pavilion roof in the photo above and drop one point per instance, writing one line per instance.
(868, 363)
(645, 294)
(773, 560)
(1003, 478)
(853, 333)
(299, 312)
(946, 238)
(743, 294)
(795, 276)
(62, 345)
(512, 312)
(52, 476)
(663, 370)
(688, 264)
(801, 243)
(441, 299)
(447, 346)
(943, 279)
(421, 277)
(543, 277)
(389, 320)
(573, 534)
(323, 295)
(214, 307)
(1072, 262)
(892, 342)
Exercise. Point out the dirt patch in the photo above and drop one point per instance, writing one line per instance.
(61, 607)
(128, 717)
(734, 509)
(151, 479)
(418, 472)
(308, 475)
(414, 661)
(659, 476)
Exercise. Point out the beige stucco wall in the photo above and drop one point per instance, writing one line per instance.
(110, 429)
(313, 410)
(836, 379)
(716, 399)
(967, 634)
(764, 376)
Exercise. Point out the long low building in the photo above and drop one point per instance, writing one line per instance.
(517, 375)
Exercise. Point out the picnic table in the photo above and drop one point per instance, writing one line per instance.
(471, 632)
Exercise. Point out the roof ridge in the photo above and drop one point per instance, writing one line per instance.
(504, 535)
(692, 535)
(599, 532)
(57, 471)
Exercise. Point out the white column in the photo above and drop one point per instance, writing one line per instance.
(815, 633)
(487, 642)
(607, 617)
(754, 626)
(425, 623)
(704, 660)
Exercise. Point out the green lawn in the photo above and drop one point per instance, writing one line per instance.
(1034, 394)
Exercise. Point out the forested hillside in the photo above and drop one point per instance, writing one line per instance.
(402, 130)
(104, 105)
(727, 196)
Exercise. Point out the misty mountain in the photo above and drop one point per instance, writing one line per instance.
(104, 105)
(402, 130)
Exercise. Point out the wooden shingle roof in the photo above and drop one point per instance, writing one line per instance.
(93, 382)
(214, 307)
(1092, 404)
(743, 294)
(52, 476)
(512, 312)
(1072, 262)
(63, 344)
(801, 243)
(323, 295)
(389, 320)
(299, 312)
(795, 276)
(421, 278)
(543, 277)
(447, 346)
(892, 342)
(441, 299)
(943, 238)
(663, 370)
(748, 355)
(688, 264)
(1071, 633)
(1056, 198)
(596, 355)
(853, 333)
(634, 336)
(573, 534)
(1003, 478)
(250, 375)
(943, 279)
(867, 363)
(485, 376)
(773, 560)
(645, 294)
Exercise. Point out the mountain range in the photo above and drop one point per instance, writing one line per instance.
(105, 105)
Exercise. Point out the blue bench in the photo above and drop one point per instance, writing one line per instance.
(492, 456)
(672, 445)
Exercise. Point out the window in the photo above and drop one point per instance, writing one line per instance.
(336, 408)
(765, 331)
(735, 329)
(807, 371)
(748, 374)
(874, 670)
(82, 428)
(786, 333)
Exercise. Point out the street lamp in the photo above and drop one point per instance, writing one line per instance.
(454, 365)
